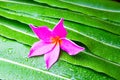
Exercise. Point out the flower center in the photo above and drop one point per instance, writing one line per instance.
(56, 39)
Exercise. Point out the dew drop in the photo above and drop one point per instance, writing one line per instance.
(10, 50)
(27, 31)
(35, 15)
(85, 72)
(72, 78)
(109, 59)
(71, 69)
(26, 59)
(4, 40)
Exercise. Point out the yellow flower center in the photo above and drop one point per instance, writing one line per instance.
(56, 39)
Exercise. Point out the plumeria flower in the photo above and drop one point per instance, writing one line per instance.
(50, 43)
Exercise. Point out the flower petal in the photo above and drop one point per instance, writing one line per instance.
(59, 29)
(52, 56)
(42, 32)
(70, 47)
(40, 48)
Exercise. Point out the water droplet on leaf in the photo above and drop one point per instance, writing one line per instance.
(71, 69)
(10, 50)
(4, 40)
(26, 59)
(27, 31)
(35, 15)
(72, 78)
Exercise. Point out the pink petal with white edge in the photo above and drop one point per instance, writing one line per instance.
(70, 47)
(42, 32)
(52, 56)
(59, 29)
(40, 48)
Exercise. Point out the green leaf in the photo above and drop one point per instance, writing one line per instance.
(96, 8)
(15, 65)
(11, 70)
(38, 10)
(93, 38)
(98, 64)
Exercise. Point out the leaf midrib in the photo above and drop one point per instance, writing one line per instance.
(33, 68)
(106, 10)
(36, 5)
(102, 59)
(94, 38)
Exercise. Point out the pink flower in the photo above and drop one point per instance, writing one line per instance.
(51, 42)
